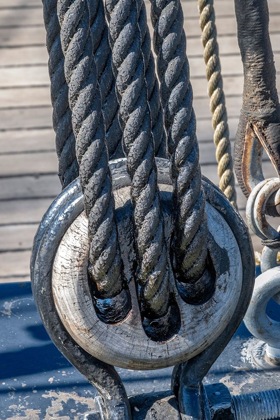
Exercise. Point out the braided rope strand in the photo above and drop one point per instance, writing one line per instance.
(217, 99)
(131, 53)
(105, 264)
(195, 282)
(65, 140)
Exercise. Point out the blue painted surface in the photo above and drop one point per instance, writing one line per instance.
(37, 382)
(35, 377)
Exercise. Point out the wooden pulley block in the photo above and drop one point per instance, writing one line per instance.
(59, 272)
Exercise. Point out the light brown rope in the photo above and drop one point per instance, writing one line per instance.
(217, 99)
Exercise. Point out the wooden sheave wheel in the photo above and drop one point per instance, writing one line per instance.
(59, 267)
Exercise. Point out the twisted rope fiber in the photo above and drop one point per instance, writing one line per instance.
(103, 60)
(105, 264)
(195, 282)
(131, 50)
(65, 140)
(217, 99)
(156, 112)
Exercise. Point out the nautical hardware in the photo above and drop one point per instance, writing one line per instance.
(259, 129)
(65, 303)
(267, 286)
(139, 263)
(259, 124)
(256, 406)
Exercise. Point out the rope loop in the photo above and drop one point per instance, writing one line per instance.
(116, 107)
(195, 281)
(105, 264)
(132, 57)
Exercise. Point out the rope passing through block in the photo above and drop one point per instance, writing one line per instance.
(139, 263)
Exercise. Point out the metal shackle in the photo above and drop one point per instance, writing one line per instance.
(264, 195)
(256, 319)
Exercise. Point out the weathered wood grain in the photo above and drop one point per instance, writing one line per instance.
(16, 237)
(125, 344)
(31, 187)
(20, 17)
(13, 265)
(23, 211)
(26, 118)
(37, 56)
(24, 97)
(29, 163)
(226, 27)
(16, 36)
(16, 141)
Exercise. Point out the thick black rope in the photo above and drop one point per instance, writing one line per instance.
(65, 139)
(103, 60)
(156, 112)
(105, 265)
(195, 281)
(131, 52)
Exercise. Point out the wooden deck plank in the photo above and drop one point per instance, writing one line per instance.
(19, 3)
(24, 97)
(14, 265)
(32, 55)
(29, 163)
(23, 211)
(222, 8)
(29, 187)
(226, 27)
(37, 54)
(21, 17)
(16, 237)
(231, 68)
(11, 37)
(36, 57)
(25, 118)
(24, 76)
(19, 141)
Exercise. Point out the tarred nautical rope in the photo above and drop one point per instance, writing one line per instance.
(103, 60)
(105, 264)
(131, 54)
(65, 139)
(195, 282)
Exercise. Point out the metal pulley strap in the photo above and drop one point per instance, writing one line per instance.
(131, 53)
(112, 298)
(195, 281)
(217, 99)
(259, 124)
